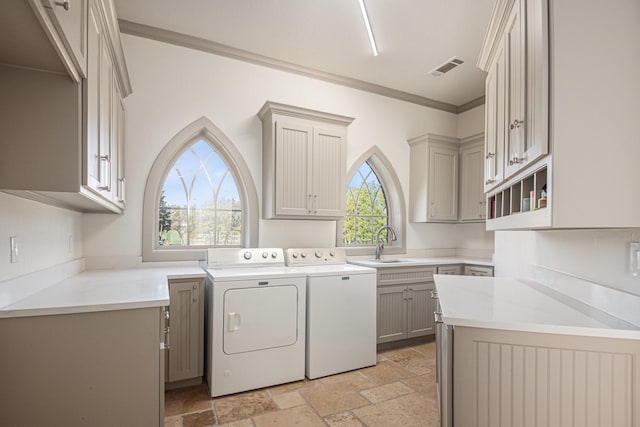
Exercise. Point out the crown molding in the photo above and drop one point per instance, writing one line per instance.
(271, 107)
(471, 104)
(204, 45)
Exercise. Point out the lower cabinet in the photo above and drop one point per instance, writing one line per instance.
(513, 377)
(405, 307)
(186, 322)
(82, 369)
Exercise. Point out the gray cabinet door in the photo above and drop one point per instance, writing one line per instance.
(186, 322)
(71, 25)
(392, 313)
(420, 310)
(293, 169)
(442, 195)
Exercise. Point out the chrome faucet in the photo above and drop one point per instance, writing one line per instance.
(380, 244)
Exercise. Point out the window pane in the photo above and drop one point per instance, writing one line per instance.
(366, 208)
(200, 203)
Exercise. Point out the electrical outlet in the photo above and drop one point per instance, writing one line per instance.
(13, 248)
(634, 258)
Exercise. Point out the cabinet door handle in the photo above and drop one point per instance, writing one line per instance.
(516, 160)
(66, 4)
(310, 204)
(489, 181)
(104, 172)
(315, 203)
(490, 155)
(123, 183)
(195, 293)
(516, 124)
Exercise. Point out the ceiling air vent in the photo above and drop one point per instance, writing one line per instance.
(449, 65)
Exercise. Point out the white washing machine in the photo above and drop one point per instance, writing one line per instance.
(341, 311)
(256, 325)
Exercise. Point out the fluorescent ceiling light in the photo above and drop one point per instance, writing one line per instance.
(367, 24)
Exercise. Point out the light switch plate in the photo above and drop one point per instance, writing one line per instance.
(13, 249)
(634, 258)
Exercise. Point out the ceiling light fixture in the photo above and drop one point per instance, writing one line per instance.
(367, 24)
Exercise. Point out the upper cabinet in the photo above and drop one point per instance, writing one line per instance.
(433, 180)
(62, 122)
(472, 200)
(304, 162)
(515, 56)
(69, 35)
(560, 149)
(446, 179)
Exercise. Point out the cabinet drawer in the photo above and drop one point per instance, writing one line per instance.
(404, 275)
(475, 270)
(450, 269)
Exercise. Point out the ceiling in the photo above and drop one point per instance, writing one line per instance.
(328, 38)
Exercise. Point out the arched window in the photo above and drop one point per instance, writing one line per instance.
(200, 204)
(373, 199)
(366, 208)
(199, 194)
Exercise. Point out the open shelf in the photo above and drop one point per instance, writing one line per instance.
(521, 197)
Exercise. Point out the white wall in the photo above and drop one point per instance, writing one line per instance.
(42, 233)
(471, 122)
(601, 256)
(173, 86)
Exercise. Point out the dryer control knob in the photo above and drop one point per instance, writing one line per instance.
(332, 253)
(303, 255)
(318, 254)
(294, 255)
(265, 255)
(247, 255)
(274, 255)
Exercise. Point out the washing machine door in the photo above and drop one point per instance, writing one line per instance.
(260, 318)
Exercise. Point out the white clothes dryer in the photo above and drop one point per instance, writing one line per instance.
(256, 324)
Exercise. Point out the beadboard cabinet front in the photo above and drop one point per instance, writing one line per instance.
(304, 163)
(185, 358)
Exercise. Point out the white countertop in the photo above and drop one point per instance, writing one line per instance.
(418, 262)
(511, 304)
(102, 290)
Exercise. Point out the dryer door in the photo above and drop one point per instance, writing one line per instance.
(260, 318)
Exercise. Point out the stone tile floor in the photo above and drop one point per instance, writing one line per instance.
(399, 391)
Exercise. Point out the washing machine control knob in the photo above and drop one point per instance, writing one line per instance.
(332, 253)
(274, 255)
(303, 255)
(294, 255)
(318, 254)
(265, 255)
(247, 255)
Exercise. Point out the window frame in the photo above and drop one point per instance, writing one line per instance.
(201, 129)
(394, 197)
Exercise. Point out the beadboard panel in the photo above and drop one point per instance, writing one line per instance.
(420, 310)
(392, 315)
(328, 175)
(292, 153)
(405, 275)
(506, 379)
